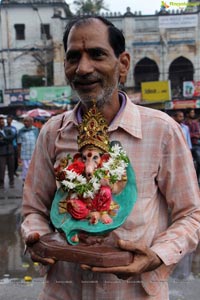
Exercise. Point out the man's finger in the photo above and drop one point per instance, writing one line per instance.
(113, 270)
(42, 260)
(133, 247)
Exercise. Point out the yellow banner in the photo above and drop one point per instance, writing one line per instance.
(156, 91)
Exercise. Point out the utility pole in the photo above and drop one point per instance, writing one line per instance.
(44, 39)
(2, 60)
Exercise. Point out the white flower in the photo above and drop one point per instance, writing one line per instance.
(70, 185)
(70, 175)
(115, 150)
(96, 183)
(81, 179)
(88, 194)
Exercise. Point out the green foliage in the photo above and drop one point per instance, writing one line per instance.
(90, 6)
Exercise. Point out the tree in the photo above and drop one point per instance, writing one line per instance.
(90, 6)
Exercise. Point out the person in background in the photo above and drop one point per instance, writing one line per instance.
(183, 268)
(179, 118)
(95, 62)
(14, 130)
(26, 140)
(194, 128)
(6, 153)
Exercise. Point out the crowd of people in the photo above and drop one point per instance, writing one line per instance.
(16, 148)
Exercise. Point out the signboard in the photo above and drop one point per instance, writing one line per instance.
(178, 21)
(191, 89)
(14, 96)
(55, 95)
(156, 91)
(1, 96)
(182, 104)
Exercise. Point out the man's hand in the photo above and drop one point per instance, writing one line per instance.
(144, 260)
(30, 241)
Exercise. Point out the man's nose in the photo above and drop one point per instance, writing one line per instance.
(85, 66)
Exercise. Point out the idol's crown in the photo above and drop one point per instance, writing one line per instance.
(93, 130)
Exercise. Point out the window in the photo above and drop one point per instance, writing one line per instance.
(20, 31)
(45, 30)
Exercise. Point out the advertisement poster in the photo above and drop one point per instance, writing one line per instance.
(191, 89)
(52, 95)
(156, 91)
(16, 96)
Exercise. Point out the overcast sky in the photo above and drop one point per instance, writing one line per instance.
(146, 7)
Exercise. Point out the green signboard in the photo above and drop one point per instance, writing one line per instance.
(51, 95)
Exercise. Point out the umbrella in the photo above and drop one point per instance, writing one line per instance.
(37, 112)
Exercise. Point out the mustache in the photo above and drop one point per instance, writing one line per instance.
(86, 78)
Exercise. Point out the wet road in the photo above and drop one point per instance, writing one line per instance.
(13, 262)
(15, 267)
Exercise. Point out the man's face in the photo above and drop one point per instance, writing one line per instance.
(192, 114)
(91, 66)
(179, 118)
(2, 123)
(27, 123)
(9, 120)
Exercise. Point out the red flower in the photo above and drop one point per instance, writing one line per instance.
(61, 176)
(77, 166)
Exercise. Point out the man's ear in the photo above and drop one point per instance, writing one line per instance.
(124, 60)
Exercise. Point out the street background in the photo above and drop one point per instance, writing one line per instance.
(19, 276)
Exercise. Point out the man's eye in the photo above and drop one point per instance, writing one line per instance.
(72, 57)
(96, 53)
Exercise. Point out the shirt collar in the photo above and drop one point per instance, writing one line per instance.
(128, 117)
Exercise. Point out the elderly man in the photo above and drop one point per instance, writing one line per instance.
(26, 140)
(95, 63)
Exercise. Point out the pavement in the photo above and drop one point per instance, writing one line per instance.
(19, 289)
(12, 193)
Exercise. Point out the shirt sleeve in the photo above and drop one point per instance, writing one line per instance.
(178, 183)
(40, 184)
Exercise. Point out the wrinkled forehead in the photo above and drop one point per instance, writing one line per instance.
(88, 32)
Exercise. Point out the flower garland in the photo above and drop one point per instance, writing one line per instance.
(72, 179)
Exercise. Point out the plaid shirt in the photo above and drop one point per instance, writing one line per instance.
(162, 162)
(194, 131)
(27, 138)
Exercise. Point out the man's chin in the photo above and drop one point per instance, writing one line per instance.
(89, 98)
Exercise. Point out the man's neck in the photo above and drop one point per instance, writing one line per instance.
(109, 110)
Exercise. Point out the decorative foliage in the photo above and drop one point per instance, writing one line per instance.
(72, 179)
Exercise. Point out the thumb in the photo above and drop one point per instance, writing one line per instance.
(32, 238)
(133, 247)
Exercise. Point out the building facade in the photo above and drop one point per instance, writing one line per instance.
(163, 46)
